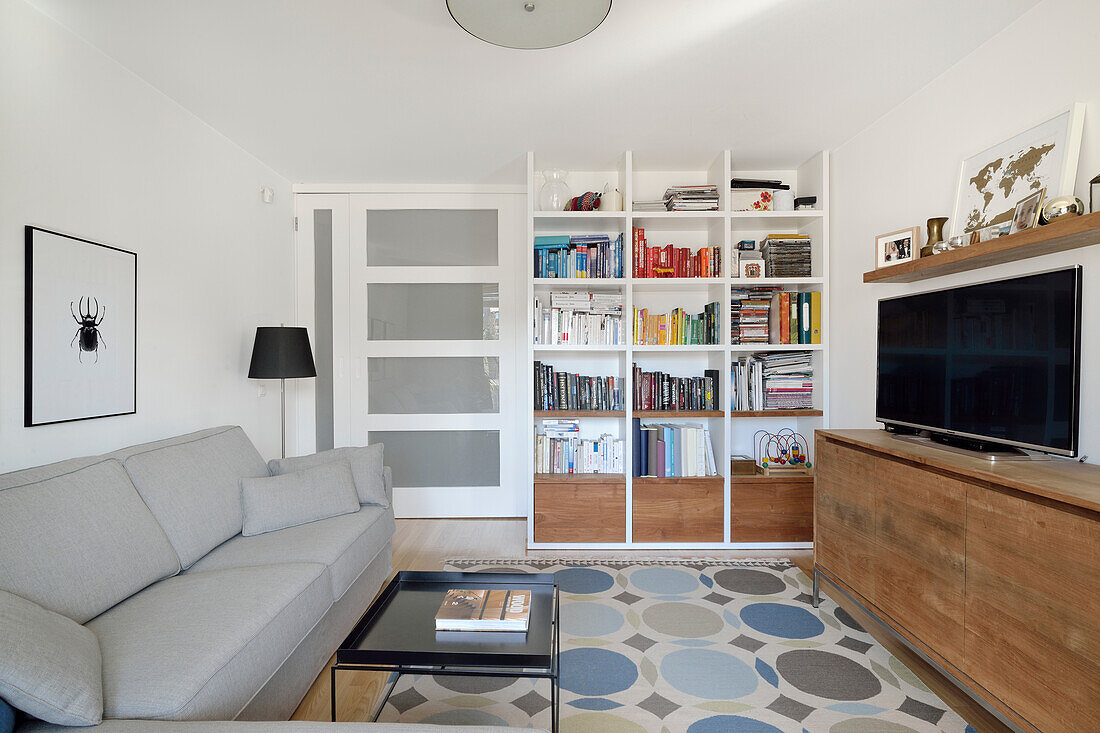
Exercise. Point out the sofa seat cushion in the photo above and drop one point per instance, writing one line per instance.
(199, 646)
(346, 544)
(191, 484)
(80, 541)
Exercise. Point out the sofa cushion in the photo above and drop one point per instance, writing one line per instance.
(49, 665)
(346, 544)
(199, 646)
(191, 484)
(366, 469)
(80, 542)
(277, 502)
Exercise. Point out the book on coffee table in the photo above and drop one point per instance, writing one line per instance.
(484, 610)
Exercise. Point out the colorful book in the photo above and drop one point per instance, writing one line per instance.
(484, 610)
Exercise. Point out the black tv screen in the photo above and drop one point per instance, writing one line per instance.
(995, 362)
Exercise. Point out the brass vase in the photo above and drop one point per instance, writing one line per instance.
(935, 235)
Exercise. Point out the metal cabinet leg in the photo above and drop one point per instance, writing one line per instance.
(817, 588)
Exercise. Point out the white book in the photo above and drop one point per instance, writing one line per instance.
(700, 453)
(713, 470)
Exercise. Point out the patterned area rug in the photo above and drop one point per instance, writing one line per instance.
(699, 646)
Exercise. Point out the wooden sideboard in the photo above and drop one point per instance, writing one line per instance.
(990, 569)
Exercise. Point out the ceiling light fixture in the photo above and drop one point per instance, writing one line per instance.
(531, 24)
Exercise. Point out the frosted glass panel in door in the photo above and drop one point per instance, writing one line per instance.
(433, 311)
(433, 385)
(431, 237)
(432, 458)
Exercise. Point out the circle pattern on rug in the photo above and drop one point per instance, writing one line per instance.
(683, 620)
(593, 672)
(583, 580)
(708, 674)
(474, 685)
(590, 619)
(664, 581)
(731, 723)
(827, 675)
(602, 722)
(870, 725)
(780, 619)
(749, 581)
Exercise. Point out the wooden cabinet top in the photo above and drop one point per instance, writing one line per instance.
(1060, 479)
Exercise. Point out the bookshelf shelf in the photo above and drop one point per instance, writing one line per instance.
(675, 512)
(1061, 235)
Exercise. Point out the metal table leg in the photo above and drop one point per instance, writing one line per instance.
(817, 588)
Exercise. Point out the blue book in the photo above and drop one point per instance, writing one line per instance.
(551, 241)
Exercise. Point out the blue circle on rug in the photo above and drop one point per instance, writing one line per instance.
(593, 672)
(708, 674)
(583, 580)
(666, 581)
(590, 619)
(463, 716)
(779, 619)
(731, 724)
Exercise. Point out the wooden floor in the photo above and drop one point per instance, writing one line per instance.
(424, 544)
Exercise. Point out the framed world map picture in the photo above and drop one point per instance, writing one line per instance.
(992, 182)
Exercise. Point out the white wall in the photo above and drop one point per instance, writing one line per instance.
(903, 169)
(89, 149)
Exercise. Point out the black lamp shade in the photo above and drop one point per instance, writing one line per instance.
(281, 352)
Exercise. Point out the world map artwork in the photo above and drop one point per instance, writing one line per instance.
(992, 192)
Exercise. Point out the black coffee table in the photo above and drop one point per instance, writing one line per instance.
(397, 634)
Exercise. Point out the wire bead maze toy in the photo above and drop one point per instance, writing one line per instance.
(784, 451)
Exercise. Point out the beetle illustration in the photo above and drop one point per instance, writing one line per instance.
(88, 334)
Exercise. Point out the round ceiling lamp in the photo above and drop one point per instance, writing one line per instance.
(529, 23)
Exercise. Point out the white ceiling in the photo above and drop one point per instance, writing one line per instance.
(339, 91)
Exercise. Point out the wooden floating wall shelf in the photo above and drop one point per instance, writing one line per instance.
(1068, 232)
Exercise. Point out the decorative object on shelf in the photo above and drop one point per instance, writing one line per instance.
(612, 199)
(750, 266)
(529, 25)
(1094, 193)
(897, 247)
(996, 231)
(781, 452)
(742, 465)
(281, 352)
(805, 203)
(1044, 156)
(960, 240)
(746, 245)
(588, 201)
(1026, 213)
(1061, 206)
(935, 237)
(750, 199)
(80, 332)
(555, 193)
(783, 201)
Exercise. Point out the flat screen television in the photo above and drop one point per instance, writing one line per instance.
(993, 364)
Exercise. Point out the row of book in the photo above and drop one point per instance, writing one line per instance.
(678, 328)
(566, 391)
(776, 381)
(560, 449)
(579, 256)
(673, 261)
(772, 316)
(660, 391)
(663, 450)
(579, 319)
(787, 255)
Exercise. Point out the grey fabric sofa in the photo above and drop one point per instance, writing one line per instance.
(195, 622)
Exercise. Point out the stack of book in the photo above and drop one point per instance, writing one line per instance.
(643, 206)
(573, 454)
(673, 261)
(778, 381)
(584, 256)
(579, 319)
(678, 328)
(786, 255)
(565, 391)
(751, 310)
(795, 318)
(655, 391)
(664, 450)
(691, 198)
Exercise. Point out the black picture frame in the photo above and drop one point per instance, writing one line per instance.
(32, 235)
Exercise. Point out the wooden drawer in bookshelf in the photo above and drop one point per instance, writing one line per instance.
(771, 508)
(679, 509)
(580, 507)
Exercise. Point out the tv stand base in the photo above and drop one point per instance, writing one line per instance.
(984, 452)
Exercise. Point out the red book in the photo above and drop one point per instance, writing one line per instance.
(638, 262)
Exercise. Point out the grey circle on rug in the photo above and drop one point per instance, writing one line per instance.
(749, 581)
(827, 675)
(683, 620)
(474, 685)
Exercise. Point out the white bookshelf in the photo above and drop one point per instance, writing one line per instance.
(730, 433)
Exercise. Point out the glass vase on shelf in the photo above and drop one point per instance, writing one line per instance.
(555, 193)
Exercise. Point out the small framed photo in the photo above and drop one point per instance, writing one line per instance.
(752, 267)
(1027, 211)
(897, 247)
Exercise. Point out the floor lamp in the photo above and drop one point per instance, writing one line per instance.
(281, 352)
